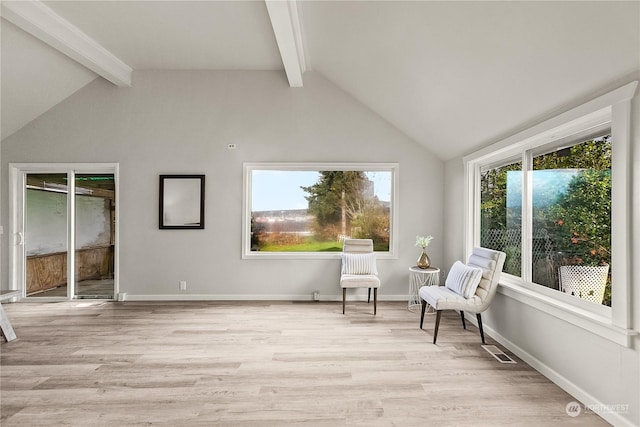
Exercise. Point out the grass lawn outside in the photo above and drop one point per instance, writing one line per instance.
(309, 246)
(315, 246)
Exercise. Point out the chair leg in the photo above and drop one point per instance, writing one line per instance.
(369, 296)
(424, 308)
(480, 327)
(344, 297)
(435, 332)
(375, 300)
(464, 325)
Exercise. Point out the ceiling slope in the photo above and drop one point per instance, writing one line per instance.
(35, 77)
(43, 23)
(453, 76)
(155, 35)
(456, 75)
(179, 35)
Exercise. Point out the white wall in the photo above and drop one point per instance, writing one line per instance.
(576, 359)
(181, 122)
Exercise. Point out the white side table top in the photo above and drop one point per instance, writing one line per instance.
(430, 270)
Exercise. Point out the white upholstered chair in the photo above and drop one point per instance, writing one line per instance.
(485, 265)
(359, 269)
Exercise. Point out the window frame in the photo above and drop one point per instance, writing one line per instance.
(249, 167)
(610, 111)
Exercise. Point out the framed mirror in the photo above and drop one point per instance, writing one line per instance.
(181, 202)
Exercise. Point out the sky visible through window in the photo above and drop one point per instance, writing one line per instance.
(280, 189)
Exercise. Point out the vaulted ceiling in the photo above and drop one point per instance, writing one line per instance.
(451, 75)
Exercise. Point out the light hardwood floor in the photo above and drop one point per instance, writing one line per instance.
(261, 364)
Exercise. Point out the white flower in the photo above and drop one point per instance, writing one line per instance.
(423, 242)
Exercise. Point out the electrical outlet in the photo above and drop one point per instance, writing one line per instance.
(316, 296)
(183, 285)
(231, 146)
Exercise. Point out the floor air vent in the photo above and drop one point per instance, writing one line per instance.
(498, 354)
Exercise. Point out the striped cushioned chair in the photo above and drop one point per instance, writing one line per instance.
(443, 298)
(359, 269)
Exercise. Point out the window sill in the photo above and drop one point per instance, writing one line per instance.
(592, 322)
(308, 255)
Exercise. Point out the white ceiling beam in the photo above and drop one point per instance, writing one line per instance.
(43, 23)
(287, 29)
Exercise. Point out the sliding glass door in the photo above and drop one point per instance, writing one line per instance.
(65, 227)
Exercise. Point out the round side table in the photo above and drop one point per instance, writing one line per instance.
(419, 277)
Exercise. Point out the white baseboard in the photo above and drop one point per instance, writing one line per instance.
(226, 297)
(561, 381)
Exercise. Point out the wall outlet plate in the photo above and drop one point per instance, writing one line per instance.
(183, 285)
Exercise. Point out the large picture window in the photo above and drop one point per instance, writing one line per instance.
(309, 209)
(569, 200)
(555, 199)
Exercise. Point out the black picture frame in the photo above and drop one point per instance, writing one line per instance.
(181, 202)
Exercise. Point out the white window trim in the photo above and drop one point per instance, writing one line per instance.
(612, 109)
(248, 167)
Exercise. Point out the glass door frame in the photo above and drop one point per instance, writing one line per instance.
(17, 197)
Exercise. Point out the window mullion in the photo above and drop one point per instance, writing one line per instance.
(71, 234)
(527, 216)
(472, 202)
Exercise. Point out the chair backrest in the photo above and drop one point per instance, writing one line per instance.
(357, 245)
(491, 263)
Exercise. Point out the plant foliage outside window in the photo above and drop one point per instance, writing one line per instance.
(571, 213)
(501, 224)
(336, 205)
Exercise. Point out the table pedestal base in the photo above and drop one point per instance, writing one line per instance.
(418, 278)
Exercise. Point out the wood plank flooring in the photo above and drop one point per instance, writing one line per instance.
(261, 364)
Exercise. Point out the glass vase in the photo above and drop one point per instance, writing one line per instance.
(423, 261)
